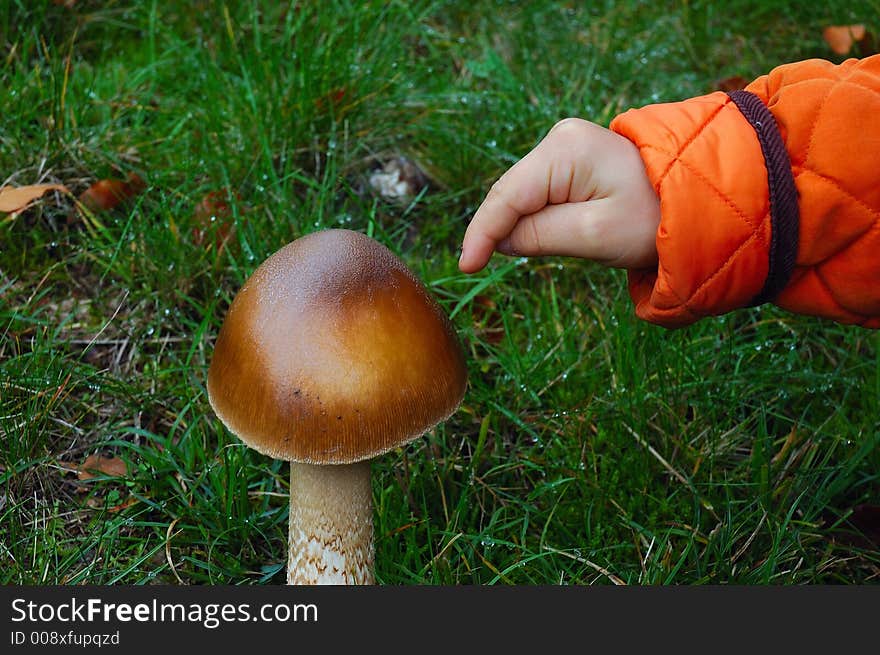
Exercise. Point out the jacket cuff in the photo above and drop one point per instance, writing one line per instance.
(784, 211)
(706, 165)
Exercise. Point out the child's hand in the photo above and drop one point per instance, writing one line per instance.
(581, 192)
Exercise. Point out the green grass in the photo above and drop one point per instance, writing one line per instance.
(591, 447)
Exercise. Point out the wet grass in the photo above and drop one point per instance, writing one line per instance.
(590, 447)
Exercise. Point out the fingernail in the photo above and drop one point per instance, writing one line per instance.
(505, 247)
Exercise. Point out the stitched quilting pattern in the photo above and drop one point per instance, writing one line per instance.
(707, 167)
(688, 162)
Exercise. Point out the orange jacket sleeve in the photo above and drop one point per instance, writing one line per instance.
(719, 241)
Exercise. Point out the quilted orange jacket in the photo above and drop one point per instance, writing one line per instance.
(769, 194)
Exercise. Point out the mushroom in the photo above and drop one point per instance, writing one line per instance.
(331, 354)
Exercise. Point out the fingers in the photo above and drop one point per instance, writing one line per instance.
(582, 192)
(564, 230)
(588, 230)
(522, 190)
(554, 172)
(476, 249)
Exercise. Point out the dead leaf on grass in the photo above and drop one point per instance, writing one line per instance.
(842, 38)
(14, 200)
(125, 504)
(104, 195)
(96, 465)
(101, 465)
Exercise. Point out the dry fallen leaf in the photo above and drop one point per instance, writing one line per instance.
(128, 502)
(97, 464)
(16, 199)
(840, 38)
(107, 194)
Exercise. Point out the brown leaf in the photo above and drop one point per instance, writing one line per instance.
(128, 502)
(16, 199)
(840, 38)
(97, 464)
(104, 195)
(733, 83)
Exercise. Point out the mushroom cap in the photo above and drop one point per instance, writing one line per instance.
(334, 352)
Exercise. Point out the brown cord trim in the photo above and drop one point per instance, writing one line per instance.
(784, 212)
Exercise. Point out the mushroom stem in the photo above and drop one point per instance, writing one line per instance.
(330, 535)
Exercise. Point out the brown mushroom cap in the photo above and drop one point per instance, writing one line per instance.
(333, 352)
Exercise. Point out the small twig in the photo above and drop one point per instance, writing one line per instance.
(677, 474)
(39, 284)
(119, 353)
(608, 574)
(255, 494)
(110, 320)
(168, 538)
(15, 428)
(645, 558)
(70, 426)
(12, 385)
(66, 467)
(444, 549)
(659, 457)
(749, 541)
(8, 552)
